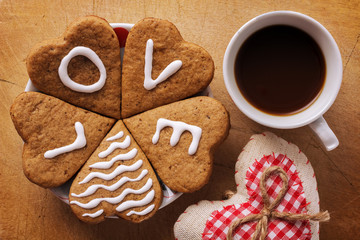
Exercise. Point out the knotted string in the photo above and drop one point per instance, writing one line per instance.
(268, 212)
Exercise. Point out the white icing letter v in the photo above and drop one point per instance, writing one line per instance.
(172, 68)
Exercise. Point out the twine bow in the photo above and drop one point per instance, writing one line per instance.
(268, 212)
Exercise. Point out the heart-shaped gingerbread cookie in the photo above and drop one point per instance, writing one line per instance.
(160, 67)
(214, 219)
(58, 137)
(81, 67)
(116, 180)
(180, 138)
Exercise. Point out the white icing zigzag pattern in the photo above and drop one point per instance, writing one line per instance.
(116, 136)
(93, 188)
(106, 165)
(95, 214)
(115, 200)
(123, 145)
(144, 212)
(119, 170)
(124, 205)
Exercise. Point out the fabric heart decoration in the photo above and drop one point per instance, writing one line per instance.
(276, 196)
(160, 67)
(81, 67)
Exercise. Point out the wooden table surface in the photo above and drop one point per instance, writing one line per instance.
(30, 212)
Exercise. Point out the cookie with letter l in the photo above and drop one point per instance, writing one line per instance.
(58, 137)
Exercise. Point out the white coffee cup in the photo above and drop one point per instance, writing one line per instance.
(312, 115)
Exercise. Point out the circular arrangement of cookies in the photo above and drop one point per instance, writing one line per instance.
(117, 127)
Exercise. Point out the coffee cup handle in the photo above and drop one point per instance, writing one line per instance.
(325, 134)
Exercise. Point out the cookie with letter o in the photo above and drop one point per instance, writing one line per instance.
(81, 67)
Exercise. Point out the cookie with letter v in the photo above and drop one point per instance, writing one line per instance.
(160, 67)
(58, 137)
(117, 180)
(180, 138)
(81, 67)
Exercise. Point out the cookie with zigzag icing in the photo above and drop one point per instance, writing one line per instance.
(117, 180)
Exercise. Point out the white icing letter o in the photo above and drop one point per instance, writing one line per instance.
(68, 82)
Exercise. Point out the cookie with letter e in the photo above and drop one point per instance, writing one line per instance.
(180, 139)
(81, 67)
(276, 198)
(116, 180)
(58, 137)
(160, 67)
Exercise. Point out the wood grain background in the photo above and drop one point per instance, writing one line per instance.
(30, 212)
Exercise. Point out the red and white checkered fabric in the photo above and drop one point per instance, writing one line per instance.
(294, 201)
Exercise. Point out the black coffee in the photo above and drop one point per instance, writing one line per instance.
(280, 70)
